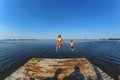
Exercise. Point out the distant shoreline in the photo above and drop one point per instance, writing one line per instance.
(53, 39)
(110, 39)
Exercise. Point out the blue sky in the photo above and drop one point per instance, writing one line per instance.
(45, 19)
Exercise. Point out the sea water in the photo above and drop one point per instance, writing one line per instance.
(103, 53)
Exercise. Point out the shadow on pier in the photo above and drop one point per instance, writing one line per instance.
(75, 75)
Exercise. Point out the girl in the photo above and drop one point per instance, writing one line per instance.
(59, 42)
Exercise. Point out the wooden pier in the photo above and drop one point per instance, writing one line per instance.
(58, 69)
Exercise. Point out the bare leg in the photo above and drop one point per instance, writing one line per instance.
(56, 48)
(59, 46)
(72, 49)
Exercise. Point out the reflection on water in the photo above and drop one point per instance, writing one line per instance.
(105, 54)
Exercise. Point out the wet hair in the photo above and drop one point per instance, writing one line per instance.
(71, 41)
(59, 35)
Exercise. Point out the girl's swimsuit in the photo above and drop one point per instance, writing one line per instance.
(59, 42)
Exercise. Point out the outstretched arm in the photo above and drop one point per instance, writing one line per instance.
(67, 42)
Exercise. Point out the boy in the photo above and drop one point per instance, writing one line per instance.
(71, 43)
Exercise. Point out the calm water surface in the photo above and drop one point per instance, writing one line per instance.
(104, 54)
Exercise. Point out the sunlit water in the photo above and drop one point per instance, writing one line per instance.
(104, 54)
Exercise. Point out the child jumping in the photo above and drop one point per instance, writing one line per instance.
(71, 43)
(59, 42)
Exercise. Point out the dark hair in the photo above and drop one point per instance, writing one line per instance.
(59, 35)
(71, 41)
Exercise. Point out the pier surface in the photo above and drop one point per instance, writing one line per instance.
(58, 69)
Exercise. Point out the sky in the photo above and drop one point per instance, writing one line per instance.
(45, 19)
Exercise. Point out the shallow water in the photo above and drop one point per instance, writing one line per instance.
(104, 54)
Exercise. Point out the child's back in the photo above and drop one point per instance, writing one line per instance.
(71, 43)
